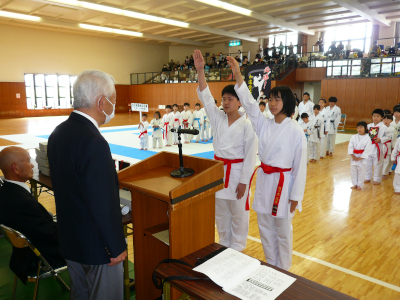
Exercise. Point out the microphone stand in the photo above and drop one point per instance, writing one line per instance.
(181, 172)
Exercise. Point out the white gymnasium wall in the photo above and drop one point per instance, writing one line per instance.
(29, 50)
(314, 89)
(312, 40)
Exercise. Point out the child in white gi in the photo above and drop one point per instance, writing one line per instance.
(282, 149)
(198, 120)
(334, 116)
(359, 150)
(235, 144)
(315, 134)
(306, 125)
(176, 122)
(395, 159)
(205, 127)
(387, 147)
(305, 106)
(395, 125)
(187, 121)
(324, 139)
(265, 111)
(376, 131)
(157, 125)
(144, 138)
(167, 125)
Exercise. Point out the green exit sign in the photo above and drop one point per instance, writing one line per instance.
(235, 43)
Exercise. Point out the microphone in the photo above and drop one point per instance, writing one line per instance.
(186, 131)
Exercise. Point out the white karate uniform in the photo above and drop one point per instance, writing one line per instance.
(359, 168)
(144, 139)
(284, 146)
(237, 141)
(332, 123)
(305, 108)
(206, 126)
(198, 120)
(296, 113)
(157, 132)
(387, 151)
(395, 159)
(306, 128)
(176, 121)
(266, 113)
(315, 133)
(374, 159)
(187, 116)
(396, 132)
(324, 138)
(167, 124)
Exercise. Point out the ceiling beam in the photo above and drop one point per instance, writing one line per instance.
(331, 20)
(363, 11)
(314, 17)
(204, 16)
(236, 24)
(265, 3)
(182, 33)
(6, 3)
(384, 5)
(220, 20)
(308, 11)
(340, 24)
(287, 7)
(167, 5)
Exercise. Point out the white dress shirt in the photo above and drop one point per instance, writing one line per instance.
(22, 184)
(87, 117)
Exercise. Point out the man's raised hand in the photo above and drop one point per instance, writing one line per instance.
(198, 60)
(233, 63)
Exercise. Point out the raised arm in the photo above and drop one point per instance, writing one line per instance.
(199, 64)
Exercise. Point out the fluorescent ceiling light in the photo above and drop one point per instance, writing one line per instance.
(111, 30)
(121, 12)
(227, 6)
(18, 16)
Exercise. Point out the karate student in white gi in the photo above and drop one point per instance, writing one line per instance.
(176, 122)
(395, 125)
(235, 144)
(205, 128)
(387, 146)
(282, 149)
(187, 121)
(167, 125)
(334, 115)
(395, 159)
(359, 149)
(198, 120)
(324, 138)
(264, 111)
(144, 138)
(376, 131)
(305, 106)
(315, 134)
(157, 125)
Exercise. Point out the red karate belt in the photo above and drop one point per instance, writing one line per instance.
(185, 121)
(165, 133)
(358, 151)
(143, 133)
(379, 149)
(387, 148)
(229, 163)
(269, 170)
(177, 120)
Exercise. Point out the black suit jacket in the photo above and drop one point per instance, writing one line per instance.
(86, 190)
(21, 211)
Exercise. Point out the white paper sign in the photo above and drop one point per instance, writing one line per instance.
(139, 107)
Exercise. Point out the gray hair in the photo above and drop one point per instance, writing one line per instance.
(90, 85)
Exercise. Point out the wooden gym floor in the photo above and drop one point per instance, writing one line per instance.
(344, 239)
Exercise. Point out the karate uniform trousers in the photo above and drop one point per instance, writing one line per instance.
(315, 149)
(387, 162)
(167, 135)
(205, 130)
(144, 140)
(396, 183)
(372, 161)
(157, 140)
(358, 173)
(331, 139)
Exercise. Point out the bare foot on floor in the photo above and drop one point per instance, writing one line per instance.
(376, 183)
(397, 193)
(384, 177)
(367, 181)
(321, 157)
(330, 154)
(353, 187)
(359, 188)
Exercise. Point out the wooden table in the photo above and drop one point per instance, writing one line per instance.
(208, 290)
(45, 181)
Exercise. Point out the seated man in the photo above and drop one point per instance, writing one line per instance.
(21, 211)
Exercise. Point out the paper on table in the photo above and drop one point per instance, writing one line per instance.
(265, 283)
(228, 267)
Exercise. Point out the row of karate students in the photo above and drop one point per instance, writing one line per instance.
(375, 150)
(173, 119)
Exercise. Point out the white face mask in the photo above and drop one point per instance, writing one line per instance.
(109, 117)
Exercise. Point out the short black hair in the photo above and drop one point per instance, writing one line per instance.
(175, 105)
(186, 104)
(197, 104)
(322, 100)
(262, 103)
(230, 89)
(332, 99)
(379, 112)
(158, 113)
(364, 124)
(316, 106)
(387, 112)
(304, 116)
(215, 101)
(168, 106)
(144, 115)
(306, 94)
(287, 97)
(387, 116)
(396, 108)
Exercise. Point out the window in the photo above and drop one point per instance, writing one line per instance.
(286, 39)
(49, 91)
(358, 34)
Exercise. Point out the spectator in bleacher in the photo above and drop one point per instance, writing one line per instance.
(348, 49)
(281, 47)
(320, 44)
(332, 47)
(187, 60)
(165, 68)
(238, 59)
(171, 64)
(273, 50)
(245, 61)
(340, 46)
(376, 50)
(290, 47)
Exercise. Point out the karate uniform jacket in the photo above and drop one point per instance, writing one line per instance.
(382, 135)
(187, 115)
(157, 132)
(198, 114)
(281, 145)
(396, 132)
(176, 119)
(237, 141)
(360, 142)
(316, 130)
(306, 108)
(333, 119)
(394, 157)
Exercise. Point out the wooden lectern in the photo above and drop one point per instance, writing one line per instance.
(172, 217)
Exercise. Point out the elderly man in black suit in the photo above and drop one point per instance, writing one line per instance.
(86, 190)
(21, 211)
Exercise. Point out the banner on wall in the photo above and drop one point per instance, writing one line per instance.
(258, 79)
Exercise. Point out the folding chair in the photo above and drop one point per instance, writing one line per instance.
(18, 240)
(342, 123)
